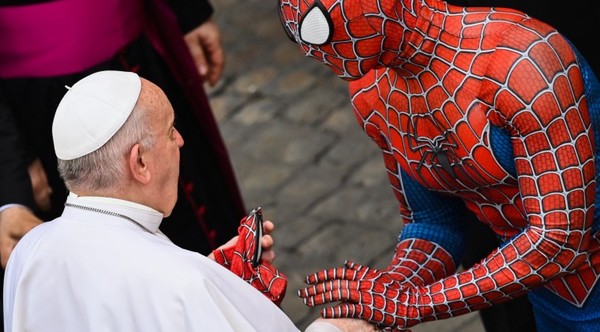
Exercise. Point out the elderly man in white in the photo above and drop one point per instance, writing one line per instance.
(104, 265)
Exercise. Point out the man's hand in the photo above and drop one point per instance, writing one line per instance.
(342, 324)
(15, 222)
(204, 43)
(268, 254)
(39, 184)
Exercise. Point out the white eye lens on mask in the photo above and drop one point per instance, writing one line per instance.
(315, 27)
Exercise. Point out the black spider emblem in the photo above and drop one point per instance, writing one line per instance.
(435, 152)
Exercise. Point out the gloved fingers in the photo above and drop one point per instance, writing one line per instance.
(344, 310)
(350, 271)
(362, 272)
(352, 265)
(327, 274)
(331, 291)
(332, 274)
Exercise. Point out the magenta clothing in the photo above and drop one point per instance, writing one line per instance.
(65, 36)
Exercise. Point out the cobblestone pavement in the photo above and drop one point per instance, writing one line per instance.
(299, 153)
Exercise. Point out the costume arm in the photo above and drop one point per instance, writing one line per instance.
(539, 99)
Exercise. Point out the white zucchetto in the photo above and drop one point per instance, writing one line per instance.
(92, 111)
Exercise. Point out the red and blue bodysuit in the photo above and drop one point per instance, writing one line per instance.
(478, 111)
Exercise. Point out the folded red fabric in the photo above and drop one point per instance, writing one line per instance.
(240, 259)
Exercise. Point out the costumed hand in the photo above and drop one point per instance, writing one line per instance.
(247, 259)
(370, 294)
(388, 297)
(15, 222)
(204, 43)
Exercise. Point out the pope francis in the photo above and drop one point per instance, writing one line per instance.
(104, 265)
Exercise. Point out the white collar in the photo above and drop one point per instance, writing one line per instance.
(141, 214)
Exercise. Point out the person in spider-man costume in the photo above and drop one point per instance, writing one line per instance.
(478, 111)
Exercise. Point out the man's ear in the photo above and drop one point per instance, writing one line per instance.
(137, 164)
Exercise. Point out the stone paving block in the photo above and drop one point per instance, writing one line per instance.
(258, 112)
(352, 148)
(372, 173)
(258, 180)
(291, 232)
(282, 142)
(341, 119)
(292, 82)
(312, 108)
(315, 182)
(337, 242)
(254, 81)
(224, 106)
(286, 54)
(351, 203)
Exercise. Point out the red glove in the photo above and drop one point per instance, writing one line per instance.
(365, 293)
(243, 259)
(393, 298)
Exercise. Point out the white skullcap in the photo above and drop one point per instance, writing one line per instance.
(92, 111)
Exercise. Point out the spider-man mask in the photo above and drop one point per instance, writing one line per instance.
(344, 35)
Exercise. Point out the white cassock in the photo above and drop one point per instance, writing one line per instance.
(89, 271)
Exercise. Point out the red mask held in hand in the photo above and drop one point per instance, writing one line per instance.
(244, 259)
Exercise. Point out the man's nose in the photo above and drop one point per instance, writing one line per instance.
(179, 138)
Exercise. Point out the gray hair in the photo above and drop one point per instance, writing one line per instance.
(104, 168)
